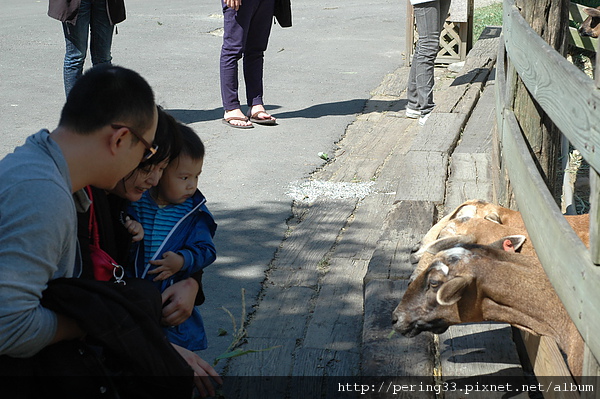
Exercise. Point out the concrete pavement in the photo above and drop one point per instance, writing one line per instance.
(318, 75)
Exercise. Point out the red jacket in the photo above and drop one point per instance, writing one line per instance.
(66, 10)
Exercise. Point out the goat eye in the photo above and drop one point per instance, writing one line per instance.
(434, 283)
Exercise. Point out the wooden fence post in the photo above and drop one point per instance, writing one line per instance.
(595, 197)
(549, 19)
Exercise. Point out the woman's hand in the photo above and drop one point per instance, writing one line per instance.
(203, 372)
(235, 4)
(178, 302)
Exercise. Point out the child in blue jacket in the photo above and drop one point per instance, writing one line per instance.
(178, 232)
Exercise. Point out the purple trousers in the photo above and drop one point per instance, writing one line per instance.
(246, 34)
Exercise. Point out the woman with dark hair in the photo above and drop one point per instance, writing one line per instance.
(117, 231)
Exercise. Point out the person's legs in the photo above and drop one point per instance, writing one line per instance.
(76, 39)
(234, 36)
(421, 75)
(101, 33)
(256, 44)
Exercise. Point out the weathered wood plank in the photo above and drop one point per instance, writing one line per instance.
(545, 73)
(364, 229)
(396, 356)
(275, 362)
(293, 278)
(405, 225)
(484, 51)
(314, 236)
(440, 133)
(547, 360)
(394, 84)
(595, 217)
(261, 374)
(565, 259)
(335, 323)
(468, 350)
(364, 160)
(477, 136)
(591, 372)
(479, 350)
(325, 362)
(282, 313)
(462, 94)
(422, 176)
(470, 98)
(470, 178)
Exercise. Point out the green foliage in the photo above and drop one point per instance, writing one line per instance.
(588, 3)
(486, 16)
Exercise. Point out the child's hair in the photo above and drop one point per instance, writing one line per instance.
(191, 145)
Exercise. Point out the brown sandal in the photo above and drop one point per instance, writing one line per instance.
(254, 119)
(227, 121)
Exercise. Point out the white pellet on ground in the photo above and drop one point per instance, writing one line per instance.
(309, 191)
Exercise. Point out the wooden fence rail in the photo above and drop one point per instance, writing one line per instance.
(572, 101)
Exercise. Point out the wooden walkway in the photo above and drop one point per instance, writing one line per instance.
(343, 267)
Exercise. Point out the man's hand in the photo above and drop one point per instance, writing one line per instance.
(170, 264)
(203, 372)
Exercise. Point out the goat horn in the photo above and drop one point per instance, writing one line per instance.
(449, 242)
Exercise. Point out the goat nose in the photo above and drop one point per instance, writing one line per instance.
(394, 318)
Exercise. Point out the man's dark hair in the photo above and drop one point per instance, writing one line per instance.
(191, 145)
(108, 94)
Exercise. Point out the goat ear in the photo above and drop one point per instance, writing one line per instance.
(509, 243)
(493, 217)
(451, 291)
(592, 12)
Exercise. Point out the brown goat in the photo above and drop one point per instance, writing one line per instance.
(474, 283)
(482, 222)
(591, 25)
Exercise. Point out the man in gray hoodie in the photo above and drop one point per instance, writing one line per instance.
(104, 132)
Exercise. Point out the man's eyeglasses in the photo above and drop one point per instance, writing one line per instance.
(150, 148)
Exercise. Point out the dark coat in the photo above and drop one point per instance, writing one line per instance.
(66, 10)
(125, 350)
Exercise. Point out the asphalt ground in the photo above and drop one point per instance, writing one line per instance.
(318, 75)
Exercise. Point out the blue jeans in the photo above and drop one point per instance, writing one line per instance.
(92, 17)
(429, 17)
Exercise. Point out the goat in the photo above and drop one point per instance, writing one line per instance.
(482, 222)
(474, 283)
(591, 25)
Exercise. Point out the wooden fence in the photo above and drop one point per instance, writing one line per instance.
(572, 101)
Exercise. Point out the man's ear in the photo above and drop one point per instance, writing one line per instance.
(451, 291)
(117, 138)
